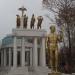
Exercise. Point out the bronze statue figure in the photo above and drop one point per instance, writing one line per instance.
(40, 19)
(32, 22)
(18, 21)
(52, 42)
(25, 21)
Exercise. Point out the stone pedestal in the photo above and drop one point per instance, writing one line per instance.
(54, 73)
(38, 70)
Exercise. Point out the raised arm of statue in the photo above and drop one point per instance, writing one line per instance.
(18, 21)
(47, 51)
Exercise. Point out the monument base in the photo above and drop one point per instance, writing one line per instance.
(39, 71)
(54, 73)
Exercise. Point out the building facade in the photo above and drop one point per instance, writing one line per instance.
(23, 52)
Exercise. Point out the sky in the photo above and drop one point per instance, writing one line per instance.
(9, 9)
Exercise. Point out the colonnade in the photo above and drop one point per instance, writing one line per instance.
(14, 55)
(6, 57)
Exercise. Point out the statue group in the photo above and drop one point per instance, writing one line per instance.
(32, 22)
(52, 45)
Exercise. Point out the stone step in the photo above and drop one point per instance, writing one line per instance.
(19, 71)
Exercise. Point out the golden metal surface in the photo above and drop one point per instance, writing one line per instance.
(52, 44)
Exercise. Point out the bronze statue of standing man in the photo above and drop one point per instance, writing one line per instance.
(32, 22)
(18, 21)
(25, 21)
(40, 19)
(52, 41)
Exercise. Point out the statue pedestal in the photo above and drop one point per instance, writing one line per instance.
(54, 73)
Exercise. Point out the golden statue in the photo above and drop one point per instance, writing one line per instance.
(52, 44)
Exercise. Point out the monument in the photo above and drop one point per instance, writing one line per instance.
(52, 43)
(23, 51)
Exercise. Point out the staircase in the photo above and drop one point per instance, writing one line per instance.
(14, 71)
(38, 70)
(4, 70)
(19, 71)
(24, 71)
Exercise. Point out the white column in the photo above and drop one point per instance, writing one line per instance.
(23, 52)
(22, 18)
(31, 57)
(4, 57)
(42, 53)
(35, 55)
(15, 52)
(9, 57)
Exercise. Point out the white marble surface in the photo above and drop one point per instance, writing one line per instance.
(29, 32)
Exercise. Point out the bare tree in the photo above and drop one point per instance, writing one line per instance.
(65, 10)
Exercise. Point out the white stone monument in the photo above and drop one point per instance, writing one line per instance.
(23, 52)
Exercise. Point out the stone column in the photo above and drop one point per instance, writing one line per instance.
(42, 53)
(22, 18)
(30, 56)
(4, 57)
(15, 52)
(35, 55)
(9, 57)
(23, 53)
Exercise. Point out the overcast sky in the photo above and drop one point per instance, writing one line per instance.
(8, 11)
